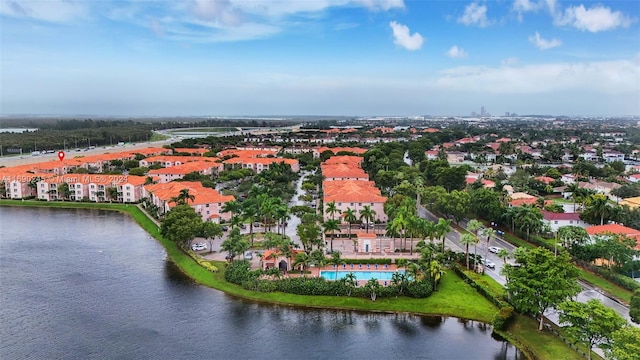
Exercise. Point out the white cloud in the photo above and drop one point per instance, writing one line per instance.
(403, 37)
(595, 19)
(456, 53)
(523, 6)
(220, 11)
(52, 10)
(510, 61)
(543, 44)
(475, 14)
(605, 77)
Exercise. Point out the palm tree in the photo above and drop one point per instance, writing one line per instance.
(282, 214)
(330, 226)
(443, 227)
(232, 207)
(468, 239)
(435, 271)
(510, 215)
(184, 196)
(303, 260)
(373, 286)
(335, 260)
(573, 189)
(504, 255)
(268, 208)
(249, 212)
(530, 218)
(350, 217)
(211, 230)
(399, 280)
(332, 209)
(350, 282)
(489, 233)
(414, 270)
(598, 205)
(367, 214)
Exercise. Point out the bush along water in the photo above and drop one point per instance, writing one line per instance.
(238, 272)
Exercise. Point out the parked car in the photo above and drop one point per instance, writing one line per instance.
(494, 249)
(256, 224)
(248, 255)
(225, 228)
(199, 247)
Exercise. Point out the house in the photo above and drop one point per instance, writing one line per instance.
(633, 202)
(258, 164)
(175, 172)
(615, 229)
(273, 258)
(353, 194)
(558, 220)
(545, 179)
(343, 172)
(612, 155)
(206, 202)
(335, 150)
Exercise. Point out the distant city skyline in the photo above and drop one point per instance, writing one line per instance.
(329, 57)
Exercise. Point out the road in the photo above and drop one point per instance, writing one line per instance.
(588, 292)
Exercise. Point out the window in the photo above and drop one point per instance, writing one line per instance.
(555, 222)
(339, 204)
(207, 205)
(570, 221)
(93, 186)
(352, 204)
(128, 194)
(371, 204)
(128, 187)
(359, 204)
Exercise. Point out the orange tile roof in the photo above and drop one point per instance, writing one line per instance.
(199, 151)
(184, 169)
(335, 150)
(616, 229)
(343, 171)
(344, 159)
(545, 179)
(351, 191)
(202, 195)
(247, 153)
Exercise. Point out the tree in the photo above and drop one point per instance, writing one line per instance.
(373, 287)
(63, 191)
(540, 281)
(435, 271)
(235, 245)
(303, 260)
(468, 239)
(250, 213)
(331, 209)
(232, 207)
(209, 231)
(350, 282)
(486, 203)
(399, 280)
(335, 260)
(309, 234)
(331, 226)
(350, 217)
(112, 193)
(368, 215)
(616, 248)
(572, 235)
(625, 344)
(591, 323)
(530, 218)
(443, 227)
(456, 204)
(634, 308)
(596, 209)
(181, 224)
(183, 197)
(504, 255)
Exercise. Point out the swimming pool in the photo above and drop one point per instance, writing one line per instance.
(360, 275)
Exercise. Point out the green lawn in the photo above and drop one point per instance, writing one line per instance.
(158, 137)
(543, 344)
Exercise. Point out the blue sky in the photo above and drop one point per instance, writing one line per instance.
(324, 57)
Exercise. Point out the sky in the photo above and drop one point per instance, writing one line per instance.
(319, 57)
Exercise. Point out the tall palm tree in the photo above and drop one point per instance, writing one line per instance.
(504, 255)
(331, 209)
(573, 189)
(282, 214)
(489, 233)
(185, 197)
(335, 260)
(331, 226)
(350, 282)
(367, 214)
(530, 218)
(597, 204)
(394, 228)
(303, 260)
(468, 239)
(435, 271)
(232, 207)
(250, 213)
(350, 217)
(443, 227)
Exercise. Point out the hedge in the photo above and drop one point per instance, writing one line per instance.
(202, 262)
(506, 314)
(618, 279)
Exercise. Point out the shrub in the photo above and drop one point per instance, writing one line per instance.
(502, 319)
(237, 272)
(634, 309)
(420, 289)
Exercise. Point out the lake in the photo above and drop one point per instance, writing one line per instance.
(90, 284)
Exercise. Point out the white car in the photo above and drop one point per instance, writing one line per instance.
(494, 249)
(199, 247)
(488, 263)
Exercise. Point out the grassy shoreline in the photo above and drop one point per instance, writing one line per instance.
(454, 297)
